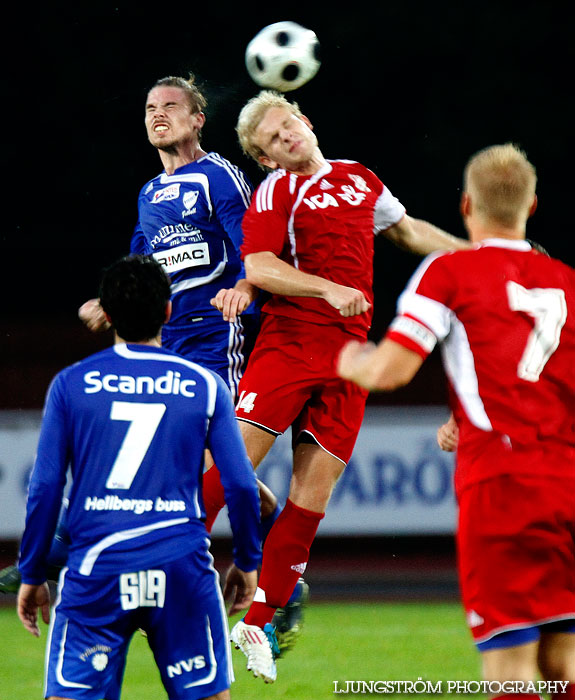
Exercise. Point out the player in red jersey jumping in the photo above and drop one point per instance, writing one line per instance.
(309, 241)
(504, 314)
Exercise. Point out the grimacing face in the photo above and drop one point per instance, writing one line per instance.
(286, 139)
(169, 120)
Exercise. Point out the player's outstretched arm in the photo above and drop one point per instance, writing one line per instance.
(421, 237)
(93, 316)
(267, 271)
(30, 598)
(384, 367)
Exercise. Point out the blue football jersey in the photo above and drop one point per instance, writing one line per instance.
(132, 423)
(191, 222)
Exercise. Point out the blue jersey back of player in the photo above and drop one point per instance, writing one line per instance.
(190, 222)
(112, 417)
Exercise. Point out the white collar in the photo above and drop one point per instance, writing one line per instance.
(513, 244)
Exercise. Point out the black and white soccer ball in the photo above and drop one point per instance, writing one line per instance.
(283, 56)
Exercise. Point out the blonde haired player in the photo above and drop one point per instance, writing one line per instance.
(505, 317)
(308, 241)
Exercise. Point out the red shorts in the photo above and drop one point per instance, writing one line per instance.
(516, 553)
(291, 377)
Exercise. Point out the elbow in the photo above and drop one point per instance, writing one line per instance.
(252, 271)
(388, 383)
(253, 277)
(391, 378)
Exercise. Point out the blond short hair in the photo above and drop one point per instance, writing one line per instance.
(251, 115)
(501, 182)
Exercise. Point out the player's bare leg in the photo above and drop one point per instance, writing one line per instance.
(315, 474)
(517, 663)
(556, 658)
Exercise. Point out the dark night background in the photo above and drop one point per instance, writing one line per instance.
(411, 89)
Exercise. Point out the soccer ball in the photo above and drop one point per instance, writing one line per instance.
(283, 56)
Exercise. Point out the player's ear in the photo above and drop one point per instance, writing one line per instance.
(306, 121)
(199, 120)
(533, 206)
(268, 162)
(465, 204)
(168, 311)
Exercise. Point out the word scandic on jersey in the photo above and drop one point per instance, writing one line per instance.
(324, 225)
(190, 222)
(133, 502)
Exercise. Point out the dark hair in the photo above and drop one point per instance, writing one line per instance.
(134, 292)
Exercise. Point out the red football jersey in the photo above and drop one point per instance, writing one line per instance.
(505, 317)
(324, 225)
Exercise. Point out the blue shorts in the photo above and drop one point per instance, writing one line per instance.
(180, 607)
(514, 638)
(222, 346)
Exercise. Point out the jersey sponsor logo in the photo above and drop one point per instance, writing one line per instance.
(325, 185)
(186, 665)
(143, 589)
(138, 506)
(173, 231)
(184, 256)
(359, 183)
(169, 383)
(351, 196)
(326, 199)
(170, 192)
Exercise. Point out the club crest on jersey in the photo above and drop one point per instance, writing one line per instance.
(170, 192)
(190, 198)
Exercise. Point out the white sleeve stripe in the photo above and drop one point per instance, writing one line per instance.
(415, 331)
(234, 173)
(265, 192)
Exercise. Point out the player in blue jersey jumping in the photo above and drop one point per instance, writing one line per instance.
(189, 219)
(132, 424)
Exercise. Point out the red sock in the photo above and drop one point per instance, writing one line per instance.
(285, 557)
(214, 497)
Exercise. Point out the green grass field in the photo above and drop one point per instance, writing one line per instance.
(341, 642)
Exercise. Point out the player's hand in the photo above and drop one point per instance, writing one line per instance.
(448, 435)
(231, 302)
(347, 300)
(30, 598)
(240, 588)
(355, 364)
(93, 316)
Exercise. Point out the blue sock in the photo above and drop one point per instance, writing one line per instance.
(267, 522)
